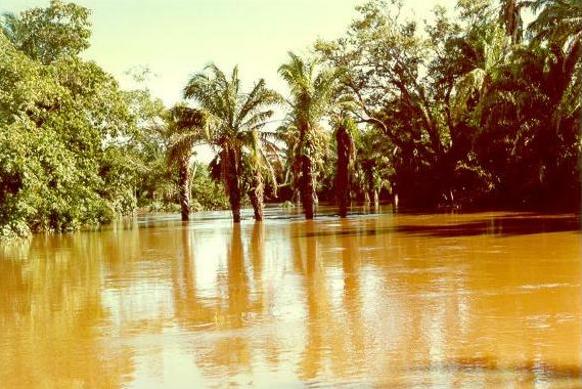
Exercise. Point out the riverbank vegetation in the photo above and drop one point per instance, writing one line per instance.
(475, 108)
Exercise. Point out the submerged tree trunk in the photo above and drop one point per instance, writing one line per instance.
(308, 195)
(375, 197)
(307, 187)
(184, 189)
(233, 185)
(345, 147)
(257, 196)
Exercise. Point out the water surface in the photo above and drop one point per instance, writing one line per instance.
(475, 300)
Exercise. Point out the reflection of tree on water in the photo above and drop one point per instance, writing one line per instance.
(231, 310)
(189, 311)
(316, 304)
(263, 301)
(401, 307)
(257, 253)
(233, 352)
(334, 335)
(51, 311)
(238, 283)
(355, 351)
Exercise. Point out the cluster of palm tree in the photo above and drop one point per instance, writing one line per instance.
(312, 90)
(393, 123)
(232, 122)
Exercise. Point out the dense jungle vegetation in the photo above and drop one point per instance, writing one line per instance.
(475, 108)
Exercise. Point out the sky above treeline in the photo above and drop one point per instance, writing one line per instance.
(177, 38)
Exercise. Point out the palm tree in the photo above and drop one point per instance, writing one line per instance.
(373, 168)
(288, 134)
(345, 163)
(262, 156)
(478, 80)
(312, 89)
(237, 119)
(560, 22)
(186, 129)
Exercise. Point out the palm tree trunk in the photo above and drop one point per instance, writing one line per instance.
(344, 153)
(234, 198)
(184, 185)
(233, 186)
(307, 187)
(257, 196)
(308, 190)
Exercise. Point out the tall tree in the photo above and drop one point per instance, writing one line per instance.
(47, 34)
(187, 128)
(345, 163)
(312, 89)
(64, 127)
(258, 160)
(235, 119)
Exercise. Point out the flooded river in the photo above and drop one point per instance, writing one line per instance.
(474, 300)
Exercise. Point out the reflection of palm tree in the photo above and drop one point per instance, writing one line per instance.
(316, 300)
(188, 266)
(50, 307)
(189, 310)
(257, 249)
(238, 287)
(232, 352)
(352, 297)
(329, 337)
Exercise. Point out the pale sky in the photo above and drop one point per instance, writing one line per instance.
(176, 38)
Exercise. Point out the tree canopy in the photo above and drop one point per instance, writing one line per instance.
(474, 108)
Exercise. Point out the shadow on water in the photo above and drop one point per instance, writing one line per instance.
(491, 365)
(504, 226)
(500, 226)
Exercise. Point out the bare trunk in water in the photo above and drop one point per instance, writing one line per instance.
(308, 195)
(233, 185)
(307, 187)
(345, 147)
(257, 196)
(184, 189)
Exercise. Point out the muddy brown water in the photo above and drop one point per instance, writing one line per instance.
(377, 300)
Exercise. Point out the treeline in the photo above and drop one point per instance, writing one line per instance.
(75, 150)
(473, 109)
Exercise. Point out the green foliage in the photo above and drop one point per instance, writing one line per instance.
(47, 34)
(207, 194)
(470, 112)
(64, 126)
(52, 131)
